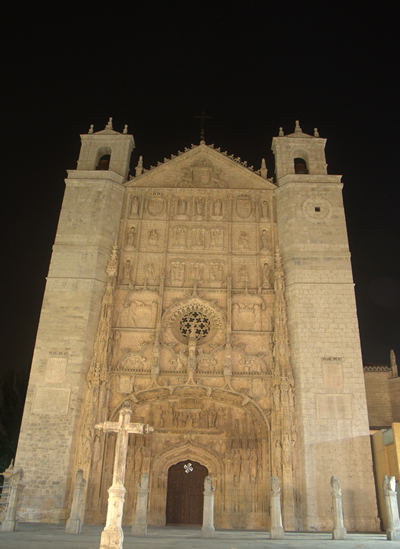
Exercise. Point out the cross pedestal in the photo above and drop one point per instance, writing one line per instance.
(112, 536)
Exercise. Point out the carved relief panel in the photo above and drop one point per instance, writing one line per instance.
(152, 237)
(149, 268)
(244, 239)
(140, 309)
(247, 311)
(244, 272)
(181, 207)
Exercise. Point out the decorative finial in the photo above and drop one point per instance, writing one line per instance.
(263, 171)
(202, 142)
(316, 132)
(91, 128)
(281, 134)
(125, 128)
(297, 129)
(139, 167)
(109, 125)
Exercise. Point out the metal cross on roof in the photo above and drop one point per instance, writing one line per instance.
(202, 117)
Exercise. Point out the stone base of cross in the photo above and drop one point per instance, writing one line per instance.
(112, 536)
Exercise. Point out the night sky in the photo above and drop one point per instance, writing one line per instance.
(253, 68)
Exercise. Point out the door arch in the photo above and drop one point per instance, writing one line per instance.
(185, 493)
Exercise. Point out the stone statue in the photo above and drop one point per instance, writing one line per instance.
(276, 531)
(339, 531)
(74, 523)
(391, 508)
(181, 206)
(139, 527)
(264, 240)
(127, 270)
(131, 236)
(266, 275)
(208, 529)
(217, 207)
(153, 237)
(264, 210)
(243, 240)
(9, 523)
(199, 206)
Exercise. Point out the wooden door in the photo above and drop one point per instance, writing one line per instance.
(185, 493)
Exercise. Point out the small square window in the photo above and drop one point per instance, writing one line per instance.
(317, 208)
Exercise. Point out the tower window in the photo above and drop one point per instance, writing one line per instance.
(300, 165)
(104, 162)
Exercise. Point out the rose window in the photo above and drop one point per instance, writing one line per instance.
(194, 323)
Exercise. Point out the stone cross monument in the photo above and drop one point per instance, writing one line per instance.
(391, 508)
(139, 527)
(74, 523)
(339, 531)
(112, 536)
(276, 531)
(208, 529)
(9, 523)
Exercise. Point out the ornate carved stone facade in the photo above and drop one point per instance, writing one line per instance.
(190, 325)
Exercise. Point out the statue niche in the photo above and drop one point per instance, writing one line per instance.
(140, 309)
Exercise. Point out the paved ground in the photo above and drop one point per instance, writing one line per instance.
(49, 536)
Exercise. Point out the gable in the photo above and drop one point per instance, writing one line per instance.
(204, 168)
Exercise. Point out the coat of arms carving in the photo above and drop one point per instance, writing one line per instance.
(56, 367)
(244, 206)
(155, 205)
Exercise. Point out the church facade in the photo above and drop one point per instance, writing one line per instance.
(220, 305)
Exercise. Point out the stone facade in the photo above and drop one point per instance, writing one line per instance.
(220, 305)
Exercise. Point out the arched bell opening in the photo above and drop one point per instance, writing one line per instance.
(103, 158)
(104, 162)
(300, 166)
(185, 488)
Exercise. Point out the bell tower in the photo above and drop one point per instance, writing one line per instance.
(87, 229)
(322, 321)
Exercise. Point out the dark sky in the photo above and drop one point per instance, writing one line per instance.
(253, 68)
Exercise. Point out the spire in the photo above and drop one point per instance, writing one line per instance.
(139, 167)
(109, 125)
(112, 262)
(393, 364)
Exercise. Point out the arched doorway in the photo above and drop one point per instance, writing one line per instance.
(185, 492)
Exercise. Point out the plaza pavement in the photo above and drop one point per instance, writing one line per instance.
(51, 536)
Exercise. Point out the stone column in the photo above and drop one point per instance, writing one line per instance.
(139, 527)
(276, 531)
(391, 508)
(9, 523)
(339, 531)
(74, 523)
(208, 529)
